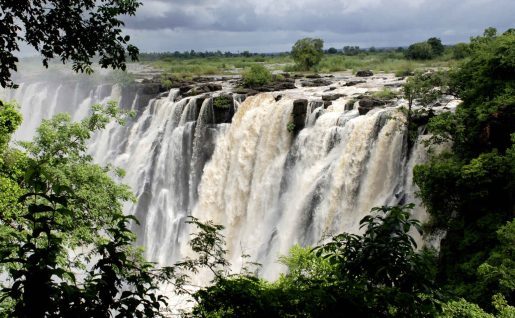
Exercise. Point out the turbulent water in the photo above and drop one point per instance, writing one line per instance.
(269, 188)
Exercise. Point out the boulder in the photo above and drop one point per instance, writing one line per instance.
(364, 73)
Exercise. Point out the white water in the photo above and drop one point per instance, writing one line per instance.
(268, 188)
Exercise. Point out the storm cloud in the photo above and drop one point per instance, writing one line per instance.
(274, 25)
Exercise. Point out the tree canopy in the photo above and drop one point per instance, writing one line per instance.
(66, 249)
(76, 31)
(307, 52)
(469, 192)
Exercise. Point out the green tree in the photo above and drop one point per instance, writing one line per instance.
(308, 52)
(460, 51)
(419, 51)
(65, 245)
(423, 88)
(436, 46)
(469, 192)
(76, 32)
(377, 274)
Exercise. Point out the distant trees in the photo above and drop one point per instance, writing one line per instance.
(75, 32)
(431, 48)
(332, 50)
(307, 52)
(351, 50)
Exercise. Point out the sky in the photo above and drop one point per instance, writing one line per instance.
(275, 25)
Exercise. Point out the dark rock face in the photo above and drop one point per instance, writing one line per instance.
(364, 73)
(367, 104)
(315, 82)
(331, 97)
(299, 110)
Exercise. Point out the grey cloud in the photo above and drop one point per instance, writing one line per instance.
(388, 22)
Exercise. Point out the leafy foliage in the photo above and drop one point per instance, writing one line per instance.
(75, 32)
(470, 192)
(65, 245)
(307, 52)
(257, 75)
(377, 274)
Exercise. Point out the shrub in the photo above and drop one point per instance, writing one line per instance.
(257, 75)
(222, 102)
(460, 51)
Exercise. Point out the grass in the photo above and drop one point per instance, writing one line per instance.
(388, 62)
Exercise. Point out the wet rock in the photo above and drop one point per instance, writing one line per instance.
(299, 110)
(350, 105)
(316, 83)
(352, 83)
(327, 103)
(331, 97)
(367, 104)
(364, 73)
(300, 107)
(223, 108)
(313, 76)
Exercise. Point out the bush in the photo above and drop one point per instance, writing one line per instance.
(222, 102)
(257, 75)
(307, 52)
(419, 51)
(460, 51)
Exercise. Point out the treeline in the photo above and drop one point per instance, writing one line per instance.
(194, 54)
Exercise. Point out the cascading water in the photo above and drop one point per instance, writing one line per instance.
(270, 187)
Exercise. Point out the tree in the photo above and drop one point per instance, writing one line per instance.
(76, 32)
(460, 51)
(307, 52)
(469, 192)
(65, 245)
(423, 88)
(377, 274)
(419, 51)
(436, 46)
(332, 50)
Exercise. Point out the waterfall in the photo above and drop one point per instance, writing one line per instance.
(270, 188)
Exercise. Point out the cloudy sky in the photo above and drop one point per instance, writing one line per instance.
(274, 25)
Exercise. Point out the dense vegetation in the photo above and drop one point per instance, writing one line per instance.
(470, 192)
(66, 249)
